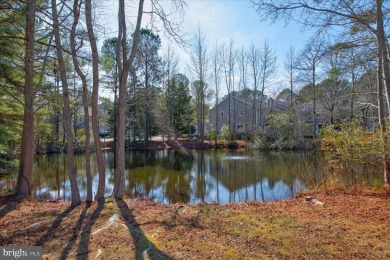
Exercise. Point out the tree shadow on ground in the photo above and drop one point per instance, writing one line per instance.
(8, 204)
(82, 250)
(177, 220)
(76, 232)
(54, 226)
(143, 246)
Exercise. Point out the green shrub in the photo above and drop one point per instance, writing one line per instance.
(210, 136)
(281, 133)
(348, 145)
(259, 141)
(225, 135)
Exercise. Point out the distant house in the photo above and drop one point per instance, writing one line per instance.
(243, 115)
(304, 113)
(80, 118)
(102, 118)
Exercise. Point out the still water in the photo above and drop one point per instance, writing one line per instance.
(172, 176)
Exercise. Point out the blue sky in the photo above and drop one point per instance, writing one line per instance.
(223, 20)
(236, 19)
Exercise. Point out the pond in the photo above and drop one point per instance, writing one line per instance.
(193, 176)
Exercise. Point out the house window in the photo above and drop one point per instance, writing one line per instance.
(222, 114)
(240, 128)
(241, 112)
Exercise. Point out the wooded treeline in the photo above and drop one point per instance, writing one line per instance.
(52, 71)
(358, 31)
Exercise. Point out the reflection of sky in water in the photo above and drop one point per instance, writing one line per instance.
(260, 191)
(170, 177)
(240, 158)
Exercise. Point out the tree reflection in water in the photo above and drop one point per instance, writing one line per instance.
(174, 176)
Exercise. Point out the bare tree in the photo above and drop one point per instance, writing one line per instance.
(67, 113)
(382, 51)
(124, 62)
(216, 72)
(254, 63)
(23, 187)
(267, 69)
(309, 61)
(242, 57)
(198, 66)
(228, 63)
(80, 73)
(170, 62)
(352, 66)
(353, 16)
(95, 95)
(332, 91)
(383, 82)
(290, 67)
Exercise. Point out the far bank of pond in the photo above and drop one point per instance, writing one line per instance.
(192, 176)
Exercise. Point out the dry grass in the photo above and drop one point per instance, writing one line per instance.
(352, 225)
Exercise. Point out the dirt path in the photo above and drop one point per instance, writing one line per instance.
(349, 226)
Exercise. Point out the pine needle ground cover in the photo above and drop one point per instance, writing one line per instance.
(349, 225)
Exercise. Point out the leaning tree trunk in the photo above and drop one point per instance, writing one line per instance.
(67, 115)
(76, 14)
(23, 187)
(95, 89)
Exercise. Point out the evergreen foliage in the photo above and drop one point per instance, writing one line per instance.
(178, 103)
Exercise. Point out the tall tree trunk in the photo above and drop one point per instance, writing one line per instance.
(382, 50)
(263, 90)
(57, 112)
(76, 14)
(95, 95)
(353, 93)
(383, 73)
(146, 105)
(202, 105)
(216, 119)
(121, 48)
(74, 108)
(254, 110)
(253, 56)
(67, 115)
(115, 105)
(382, 122)
(314, 100)
(123, 68)
(234, 118)
(23, 187)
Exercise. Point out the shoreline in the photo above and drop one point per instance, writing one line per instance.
(154, 145)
